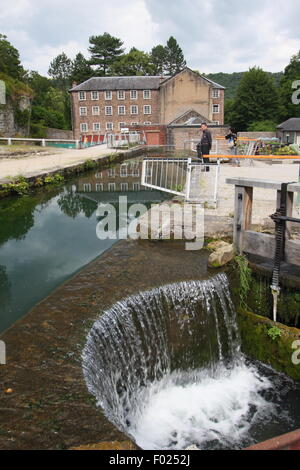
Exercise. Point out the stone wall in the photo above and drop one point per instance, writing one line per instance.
(8, 125)
(58, 134)
(256, 135)
(177, 136)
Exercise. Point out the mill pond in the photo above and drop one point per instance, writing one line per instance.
(167, 324)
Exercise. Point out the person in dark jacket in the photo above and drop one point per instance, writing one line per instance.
(204, 146)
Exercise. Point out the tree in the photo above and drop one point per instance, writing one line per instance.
(81, 69)
(262, 126)
(256, 100)
(10, 59)
(175, 61)
(159, 59)
(286, 90)
(105, 51)
(61, 70)
(134, 63)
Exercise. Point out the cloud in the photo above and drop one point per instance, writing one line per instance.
(217, 35)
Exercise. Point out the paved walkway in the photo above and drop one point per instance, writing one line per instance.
(38, 164)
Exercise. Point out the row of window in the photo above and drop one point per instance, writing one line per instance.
(108, 95)
(83, 110)
(109, 126)
(121, 95)
(87, 187)
(125, 171)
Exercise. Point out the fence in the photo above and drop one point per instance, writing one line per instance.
(186, 177)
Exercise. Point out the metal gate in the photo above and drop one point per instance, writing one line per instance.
(186, 177)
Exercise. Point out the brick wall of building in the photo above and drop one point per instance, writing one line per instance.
(115, 118)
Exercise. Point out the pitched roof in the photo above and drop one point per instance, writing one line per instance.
(292, 124)
(214, 84)
(120, 83)
(190, 117)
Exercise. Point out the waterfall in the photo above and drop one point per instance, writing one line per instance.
(166, 367)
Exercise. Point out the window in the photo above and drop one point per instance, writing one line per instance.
(111, 186)
(111, 173)
(136, 171)
(95, 110)
(216, 109)
(95, 95)
(96, 126)
(108, 110)
(123, 170)
(147, 109)
(133, 95)
(84, 127)
(98, 175)
(134, 123)
(121, 95)
(124, 186)
(83, 111)
(108, 95)
(87, 187)
(216, 94)
(216, 123)
(122, 125)
(134, 109)
(147, 94)
(109, 126)
(147, 123)
(136, 186)
(99, 186)
(121, 110)
(82, 96)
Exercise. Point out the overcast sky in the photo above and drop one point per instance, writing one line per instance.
(215, 35)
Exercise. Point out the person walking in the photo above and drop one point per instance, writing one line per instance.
(204, 146)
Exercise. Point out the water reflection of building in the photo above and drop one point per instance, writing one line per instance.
(108, 185)
(121, 178)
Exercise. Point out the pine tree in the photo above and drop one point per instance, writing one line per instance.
(105, 51)
(175, 61)
(81, 69)
(159, 59)
(60, 70)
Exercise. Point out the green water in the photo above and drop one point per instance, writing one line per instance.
(47, 237)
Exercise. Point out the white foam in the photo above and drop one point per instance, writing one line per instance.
(219, 406)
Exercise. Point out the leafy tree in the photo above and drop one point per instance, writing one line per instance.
(291, 74)
(134, 63)
(175, 61)
(256, 100)
(40, 86)
(60, 70)
(159, 59)
(48, 117)
(105, 51)
(10, 59)
(81, 69)
(262, 126)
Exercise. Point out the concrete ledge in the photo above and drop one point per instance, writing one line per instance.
(264, 184)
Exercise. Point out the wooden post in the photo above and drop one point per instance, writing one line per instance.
(289, 211)
(242, 215)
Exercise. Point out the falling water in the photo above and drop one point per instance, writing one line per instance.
(166, 367)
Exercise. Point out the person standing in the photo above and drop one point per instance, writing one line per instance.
(205, 144)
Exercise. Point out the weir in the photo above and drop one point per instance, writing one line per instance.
(166, 367)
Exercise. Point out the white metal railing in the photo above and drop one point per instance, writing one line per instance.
(193, 180)
(43, 142)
